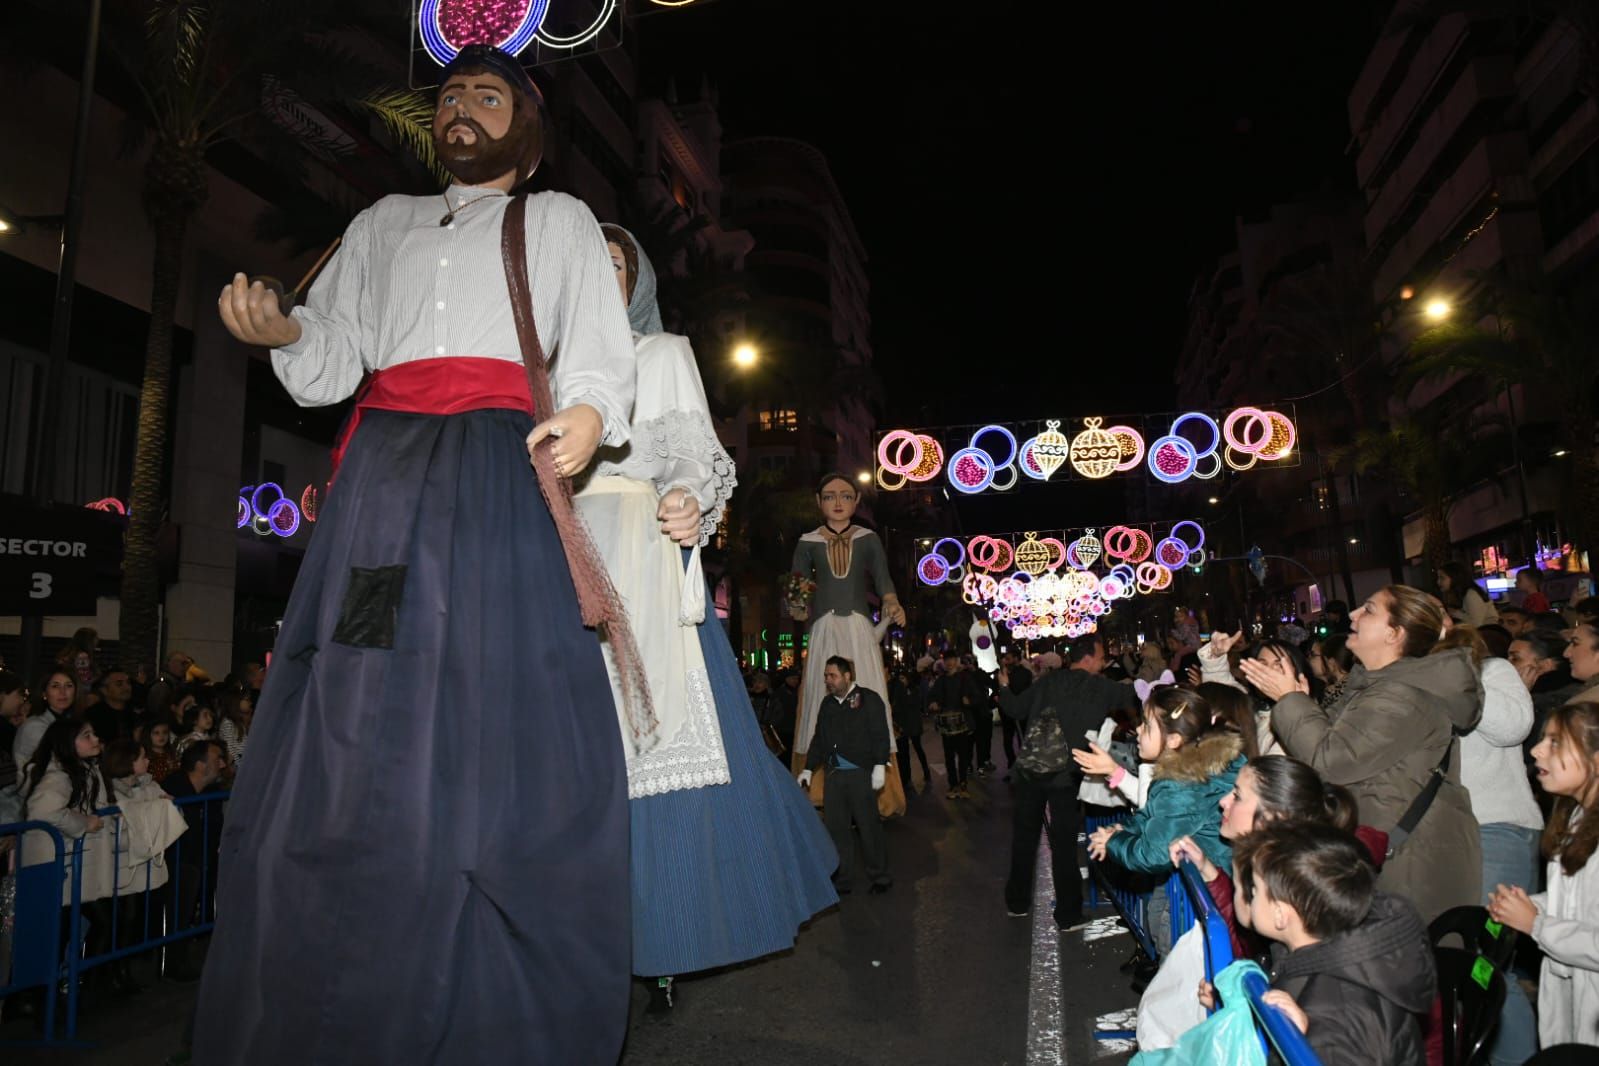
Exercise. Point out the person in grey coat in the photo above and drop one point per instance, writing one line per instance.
(1390, 729)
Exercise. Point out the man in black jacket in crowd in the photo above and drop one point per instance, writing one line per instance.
(955, 700)
(1059, 710)
(851, 741)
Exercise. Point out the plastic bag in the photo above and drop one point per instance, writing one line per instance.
(1228, 1036)
(1170, 1006)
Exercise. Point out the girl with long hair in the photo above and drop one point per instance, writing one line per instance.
(1564, 919)
(1195, 766)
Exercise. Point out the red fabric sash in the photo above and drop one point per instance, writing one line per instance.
(447, 386)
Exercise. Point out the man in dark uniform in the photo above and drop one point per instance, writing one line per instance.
(956, 701)
(851, 740)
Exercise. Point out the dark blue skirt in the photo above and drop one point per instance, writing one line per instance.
(425, 860)
(727, 873)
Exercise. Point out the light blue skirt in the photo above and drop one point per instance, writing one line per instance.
(727, 873)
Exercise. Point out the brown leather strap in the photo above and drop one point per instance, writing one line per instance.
(597, 599)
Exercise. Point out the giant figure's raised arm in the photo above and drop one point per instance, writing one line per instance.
(336, 326)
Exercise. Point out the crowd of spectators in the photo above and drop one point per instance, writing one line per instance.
(99, 750)
(1339, 791)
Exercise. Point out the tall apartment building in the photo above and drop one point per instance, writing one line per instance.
(1475, 153)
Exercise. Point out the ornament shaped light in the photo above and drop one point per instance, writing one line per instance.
(1095, 453)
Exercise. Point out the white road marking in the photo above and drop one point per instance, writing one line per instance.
(1046, 1029)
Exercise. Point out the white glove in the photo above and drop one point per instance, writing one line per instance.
(996, 716)
(805, 779)
(879, 777)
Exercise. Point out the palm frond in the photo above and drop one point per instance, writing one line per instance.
(408, 117)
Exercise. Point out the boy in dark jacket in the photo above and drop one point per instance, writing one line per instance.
(851, 740)
(1352, 967)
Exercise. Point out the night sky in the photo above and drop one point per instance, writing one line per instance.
(1037, 185)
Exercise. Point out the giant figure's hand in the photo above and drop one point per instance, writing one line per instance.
(679, 515)
(575, 433)
(893, 610)
(252, 314)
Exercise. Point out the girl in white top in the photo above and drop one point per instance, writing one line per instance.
(1564, 920)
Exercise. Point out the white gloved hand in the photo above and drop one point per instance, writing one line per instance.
(805, 779)
(879, 777)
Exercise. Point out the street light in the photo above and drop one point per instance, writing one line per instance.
(1214, 500)
(1438, 310)
(864, 477)
(746, 356)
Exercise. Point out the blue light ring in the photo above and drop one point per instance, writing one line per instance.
(1183, 445)
(980, 456)
(1002, 431)
(1200, 416)
(959, 547)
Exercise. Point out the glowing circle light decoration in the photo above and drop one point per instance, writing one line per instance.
(932, 569)
(1172, 459)
(310, 503)
(1032, 557)
(971, 470)
(1171, 553)
(584, 35)
(1131, 443)
(447, 26)
(1213, 436)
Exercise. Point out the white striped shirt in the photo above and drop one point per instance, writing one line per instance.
(401, 288)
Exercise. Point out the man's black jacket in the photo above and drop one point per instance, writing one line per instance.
(855, 727)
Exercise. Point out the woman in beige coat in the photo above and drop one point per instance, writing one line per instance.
(61, 785)
(1385, 736)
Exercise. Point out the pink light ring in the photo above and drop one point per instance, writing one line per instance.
(1010, 440)
(978, 551)
(1057, 553)
(1110, 587)
(310, 503)
(245, 513)
(110, 504)
(1195, 540)
(1137, 457)
(1171, 552)
(1029, 463)
(1249, 446)
(960, 552)
(1215, 468)
(898, 439)
(932, 570)
(971, 470)
(1097, 607)
(1279, 420)
(932, 459)
(1172, 459)
(1205, 420)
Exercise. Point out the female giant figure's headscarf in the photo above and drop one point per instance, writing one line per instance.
(643, 312)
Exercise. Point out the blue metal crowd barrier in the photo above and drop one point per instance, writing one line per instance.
(38, 958)
(1283, 1035)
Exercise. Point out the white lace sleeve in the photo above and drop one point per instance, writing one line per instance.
(673, 436)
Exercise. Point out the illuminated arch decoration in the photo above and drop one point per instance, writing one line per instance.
(110, 504)
(446, 26)
(268, 510)
(1131, 443)
(310, 503)
(908, 456)
(1127, 544)
(1032, 557)
(1172, 459)
(975, 468)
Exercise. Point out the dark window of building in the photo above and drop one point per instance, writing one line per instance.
(582, 135)
(778, 237)
(620, 99)
(273, 472)
(793, 282)
(1570, 198)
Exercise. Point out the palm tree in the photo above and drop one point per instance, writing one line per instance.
(1433, 458)
(1540, 339)
(209, 71)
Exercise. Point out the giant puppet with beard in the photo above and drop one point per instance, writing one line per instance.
(490, 118)
(426, 859)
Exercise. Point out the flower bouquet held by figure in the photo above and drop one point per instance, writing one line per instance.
(797, 591)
